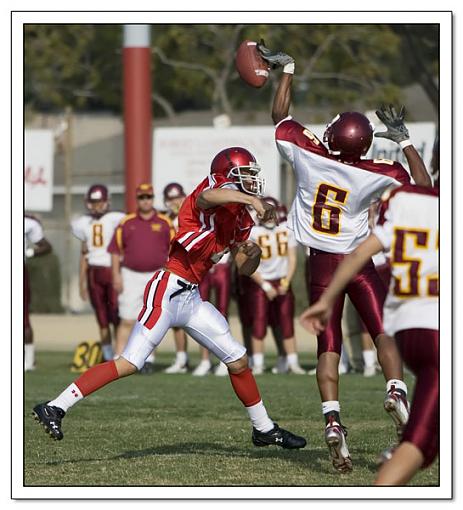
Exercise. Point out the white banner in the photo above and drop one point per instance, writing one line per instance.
(38, 169)
(184, 155)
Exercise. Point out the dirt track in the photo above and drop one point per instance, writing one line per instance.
(64, 332)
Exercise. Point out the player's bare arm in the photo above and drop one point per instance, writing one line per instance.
(247, 257)
(316, 316)
(282, 99)
(266, 286)
(83, 268)
(292, 264)
(116, 272)
(398, 133)
(215, 197)
(41, 248)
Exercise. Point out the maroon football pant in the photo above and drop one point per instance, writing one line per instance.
(366, 291)
(26, 298)
(278, 312)
(420, 351)
(384, 272)
(218, 279)
(102, 295)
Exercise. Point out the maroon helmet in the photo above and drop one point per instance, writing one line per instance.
(282, 212)
(241, 166)
(173, 190)
(349, 136)
(97, 199)
(274, 202)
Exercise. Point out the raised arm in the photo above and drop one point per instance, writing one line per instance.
(282, 99)
(398, 133)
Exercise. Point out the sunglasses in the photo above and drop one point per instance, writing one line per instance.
(145, 197)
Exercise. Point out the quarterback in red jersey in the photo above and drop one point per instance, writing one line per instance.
(213, 220)
(329, 215)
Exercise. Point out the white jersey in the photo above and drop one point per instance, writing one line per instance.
(408, 228)
(274, 244)
(97, 233)
(33, 231)
(330, 209)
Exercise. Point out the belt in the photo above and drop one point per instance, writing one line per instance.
(184, 287)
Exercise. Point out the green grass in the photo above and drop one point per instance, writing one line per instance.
(169, 430)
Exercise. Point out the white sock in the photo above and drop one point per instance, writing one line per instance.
(399, 385)
(293, 359)
(258, 360)
(181, 358)
(259, 418)
(331, 405)
(369, 358)
(151, 358)
(70, 396)
(29, 356)
(205, 361)
(107, 351)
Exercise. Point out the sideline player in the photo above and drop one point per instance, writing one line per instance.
(271, 293)
(95, 231)
(33, 235)
(174, 195)
(140, 245)
(408, 230)
(213, 220)
(334, 189)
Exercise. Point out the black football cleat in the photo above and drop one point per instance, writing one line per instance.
(279, 437)
(50, 418)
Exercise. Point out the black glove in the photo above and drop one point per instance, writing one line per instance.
(278, 59)
(396, 130)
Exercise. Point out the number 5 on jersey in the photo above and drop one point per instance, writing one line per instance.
(326, 214)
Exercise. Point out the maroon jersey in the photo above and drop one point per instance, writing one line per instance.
(143, 244)
(205, 235)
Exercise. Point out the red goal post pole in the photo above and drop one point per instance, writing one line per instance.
(138, 137)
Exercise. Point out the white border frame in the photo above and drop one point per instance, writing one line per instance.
(444, 491)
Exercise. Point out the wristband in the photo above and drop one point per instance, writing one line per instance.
(405, 143)
(29, 253)
(289, 68)
(266, 287)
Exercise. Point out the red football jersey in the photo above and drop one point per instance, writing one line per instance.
(204, 235)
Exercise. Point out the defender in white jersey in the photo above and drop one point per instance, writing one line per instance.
(408, 231)
(35, 245)
(329, 215)
(271, 294)
(95, 230)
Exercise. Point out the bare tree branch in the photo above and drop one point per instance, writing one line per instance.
(164, 104)
(185, 65)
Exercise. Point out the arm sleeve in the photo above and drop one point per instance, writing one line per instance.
(77, 230)
(292, 243)
(36, 232)
(383, 230)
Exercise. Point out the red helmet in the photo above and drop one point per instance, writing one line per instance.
(173, 190)
(349, 136)
(97, 199)
(241, 166)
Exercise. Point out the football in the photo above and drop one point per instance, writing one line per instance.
(251, 67)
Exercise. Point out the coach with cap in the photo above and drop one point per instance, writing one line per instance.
(139, 247)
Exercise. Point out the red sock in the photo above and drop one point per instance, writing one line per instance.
(97, 377)
(245, 387)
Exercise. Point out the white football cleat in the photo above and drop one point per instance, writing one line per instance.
(176, 368)
(296, 369)
(335, 438)
(396, 405)
(221, 369)
(281, 367)
(258, 369)
(203, 368)
(369, 371)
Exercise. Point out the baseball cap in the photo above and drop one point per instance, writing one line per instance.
(145, 189)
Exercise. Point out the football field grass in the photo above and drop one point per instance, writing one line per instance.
(171, 430)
